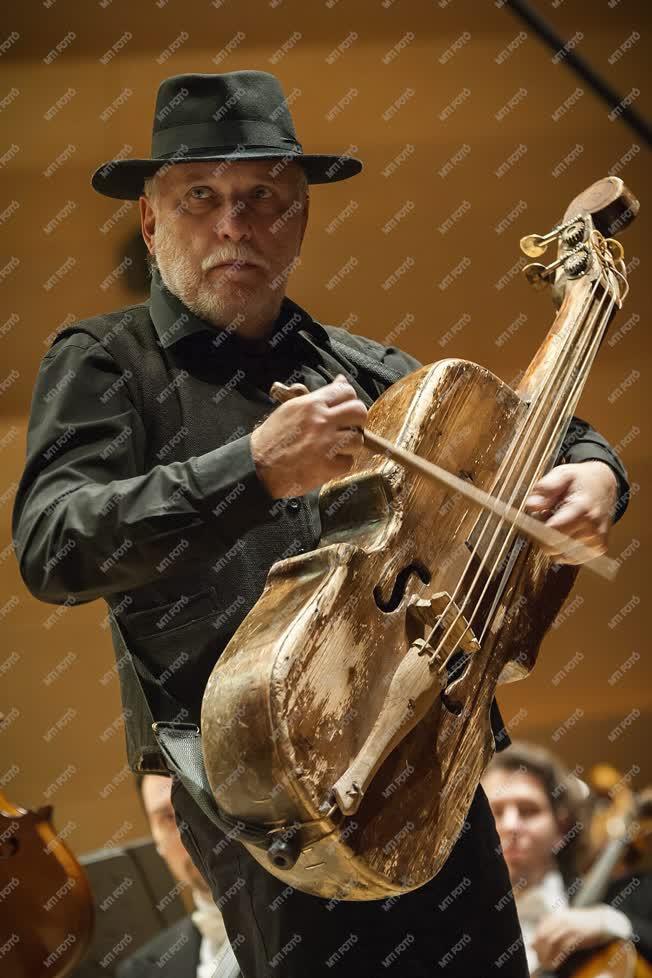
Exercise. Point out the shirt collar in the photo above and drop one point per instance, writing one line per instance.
(173, 321)
(546, 897)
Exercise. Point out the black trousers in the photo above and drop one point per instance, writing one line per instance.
(462, 924)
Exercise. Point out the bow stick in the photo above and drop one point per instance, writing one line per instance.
(545, 536)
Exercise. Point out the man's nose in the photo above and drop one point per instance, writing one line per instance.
(233, 221)
(510, 819)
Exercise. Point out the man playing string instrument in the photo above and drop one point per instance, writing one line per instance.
(182, 483)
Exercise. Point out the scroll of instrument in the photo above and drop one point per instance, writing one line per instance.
(363, 677)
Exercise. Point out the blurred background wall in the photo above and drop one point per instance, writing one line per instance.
(472, 136)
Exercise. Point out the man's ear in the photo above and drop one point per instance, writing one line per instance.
(564, 822)
(147, 222)
(304, 218)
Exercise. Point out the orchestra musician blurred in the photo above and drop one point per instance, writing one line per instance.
(542, 814)
(196, 946)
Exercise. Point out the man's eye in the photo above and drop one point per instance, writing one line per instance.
(194, 190)
(528, 811)
(262, 192)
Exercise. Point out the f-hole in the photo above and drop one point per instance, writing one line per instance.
(400, 586)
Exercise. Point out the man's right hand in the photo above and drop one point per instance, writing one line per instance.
(308, 440)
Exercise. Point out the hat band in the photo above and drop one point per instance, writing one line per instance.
(221, 135)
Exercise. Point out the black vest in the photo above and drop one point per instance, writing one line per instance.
(163, 673)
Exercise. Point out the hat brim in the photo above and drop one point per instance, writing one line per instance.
(123, 179)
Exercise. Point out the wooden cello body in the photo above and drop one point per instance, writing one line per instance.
(350, 713)
(47, 905)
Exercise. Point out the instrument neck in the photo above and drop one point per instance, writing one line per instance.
(597, 880)
(555, 379)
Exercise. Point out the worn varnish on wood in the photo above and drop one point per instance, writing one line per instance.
(297, 691)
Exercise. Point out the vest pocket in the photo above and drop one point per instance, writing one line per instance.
(177, 643)
(166, 619)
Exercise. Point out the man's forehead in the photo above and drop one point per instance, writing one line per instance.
(268, 169)
(509, 784)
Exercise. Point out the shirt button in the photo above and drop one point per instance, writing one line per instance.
(294, 504)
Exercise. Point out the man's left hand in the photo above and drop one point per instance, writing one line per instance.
(562, 933)
(581, 498)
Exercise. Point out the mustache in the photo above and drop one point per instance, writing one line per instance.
(238, 256)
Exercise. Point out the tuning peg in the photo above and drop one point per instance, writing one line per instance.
(538, 274)
(575, 264)
(571, 232)
(534, 245)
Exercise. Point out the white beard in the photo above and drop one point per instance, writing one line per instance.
(217, 302)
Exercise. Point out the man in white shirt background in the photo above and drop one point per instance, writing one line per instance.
(196, 946)
(542, 815)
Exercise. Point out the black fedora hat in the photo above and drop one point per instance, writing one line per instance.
(239, 115)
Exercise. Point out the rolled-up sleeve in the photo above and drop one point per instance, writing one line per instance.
(88, 520)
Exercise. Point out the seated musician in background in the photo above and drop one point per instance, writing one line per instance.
(119, 508)
(542, 817)
(201, 947)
